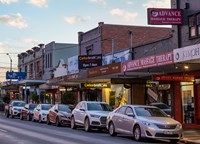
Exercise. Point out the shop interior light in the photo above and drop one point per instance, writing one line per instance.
(186, 67)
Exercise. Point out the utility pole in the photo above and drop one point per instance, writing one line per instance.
(10, 62)
(113, 49)
(131, 45)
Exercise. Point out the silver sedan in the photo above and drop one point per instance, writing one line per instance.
(142, 121)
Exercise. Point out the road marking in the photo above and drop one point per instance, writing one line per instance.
(2, 130)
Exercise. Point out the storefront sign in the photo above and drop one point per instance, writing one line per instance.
(151, 61)
(187, 53)
(173, 78)
(95, 85)
(127, 81)
(88, 61)
(105, 70)
(157, 16)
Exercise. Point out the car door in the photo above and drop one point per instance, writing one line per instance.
(25, 110)
(82, 112)
(76, 112)
(55, 112)
(118, 119)
(128, 120)
(50, 115)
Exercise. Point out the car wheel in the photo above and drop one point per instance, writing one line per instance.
(21, 117)
(174, 141)
(57, 122)
(12, 116)
(137, 133)
(40, 120)
(73, 124)
(28, 117)
(87, 125)
(48, 120)
(7, 114)
(33, 119)
(111, 129)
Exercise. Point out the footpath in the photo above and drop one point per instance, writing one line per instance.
(191, 136)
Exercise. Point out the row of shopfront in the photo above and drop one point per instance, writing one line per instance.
(172, 78)
(158, 78)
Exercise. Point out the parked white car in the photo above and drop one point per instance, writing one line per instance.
(142, 121)
(90, 114)
(14, 108)
(40, 112)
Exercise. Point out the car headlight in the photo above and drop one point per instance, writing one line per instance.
(179, 126)
(95, 116)
(146, 123)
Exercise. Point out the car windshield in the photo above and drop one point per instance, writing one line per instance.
(98, 107)
(45, 107)
(161, 106)
(19, 104)
(32, 106)
(149, 112)
(64, 108)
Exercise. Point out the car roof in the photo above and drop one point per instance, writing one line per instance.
(18, 101)
(146, 106)
(94, 102)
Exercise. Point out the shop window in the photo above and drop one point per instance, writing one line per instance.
(187, 89)
(89, 49)
(192, 26)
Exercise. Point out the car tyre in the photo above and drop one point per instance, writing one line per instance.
(33, 119)
(40, 120)
(73, 123)
(87, 125)
(28, 117)
(7, 114)
(137, 133)
(21, 117)
(48, 120)
(111, 129)
(57, 122)
(174, 141)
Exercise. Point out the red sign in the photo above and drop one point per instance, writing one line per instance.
(173, 78)
(151, 61)
(164, 16)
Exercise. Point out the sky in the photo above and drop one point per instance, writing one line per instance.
(26, 23)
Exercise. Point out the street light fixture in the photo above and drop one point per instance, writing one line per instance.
(10, 62)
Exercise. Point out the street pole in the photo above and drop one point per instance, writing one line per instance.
(10, 62)
(131, 45)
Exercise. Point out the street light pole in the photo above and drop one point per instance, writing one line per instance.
(10, 62)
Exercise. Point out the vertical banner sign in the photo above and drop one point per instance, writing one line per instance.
(158, 16)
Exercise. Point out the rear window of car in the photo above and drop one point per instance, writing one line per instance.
(45, 107)
(149, 112)
(98, 107)
(19, 104)
(32, 106)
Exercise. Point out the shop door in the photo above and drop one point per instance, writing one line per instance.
(188, 102)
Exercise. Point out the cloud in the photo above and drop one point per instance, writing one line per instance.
(15, 20)
(124, 15)
(39, 3)
(29, 40)
(157, 4)
(8, 1)
(3, 47)
(129, 2)
(76, 19)
(100, 2)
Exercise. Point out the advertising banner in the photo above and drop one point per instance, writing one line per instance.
(158, 16)
(88, 61)
(151, 61)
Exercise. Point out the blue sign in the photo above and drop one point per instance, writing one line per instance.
(15, 75)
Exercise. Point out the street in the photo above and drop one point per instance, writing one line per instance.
(26, 132)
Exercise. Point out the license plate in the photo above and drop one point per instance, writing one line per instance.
(168, 132)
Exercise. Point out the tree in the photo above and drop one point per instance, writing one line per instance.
(35, 97)
(68, 98)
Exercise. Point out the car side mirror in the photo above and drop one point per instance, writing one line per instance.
(56, 110)
(38, 109)
(82, 109)
(130, 115)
